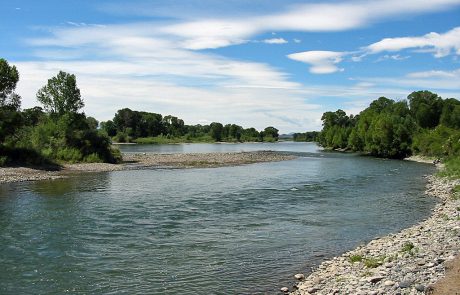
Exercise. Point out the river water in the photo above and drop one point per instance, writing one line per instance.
(230, 230)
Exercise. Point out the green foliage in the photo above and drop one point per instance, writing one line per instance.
(93, 158)
(409, 248)
(271, 133)
(426, 107)
(393, 130)
(61, 95)
(452, 168)
(10, 118)
(216, 131)
(356, 258)
(70, 155)
(371, 262)
(456, 194)
(306, 137)
(439, 142)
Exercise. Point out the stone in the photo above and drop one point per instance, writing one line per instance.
(405, 284)
(312, 290)
(374, 279)
(284, 289)
(299, 276)
(389, 283)
(419, 288)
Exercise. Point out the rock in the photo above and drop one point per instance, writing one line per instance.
(389, 283)
(312, 290)
(405, 284)
(419, 288)
(284, 289)
(374, 279)
(299, 276)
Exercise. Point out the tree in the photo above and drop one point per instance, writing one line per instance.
(216, 131)
(61, 95)
(10, 102)
(426, 107)
(271, 132)
(9, 77)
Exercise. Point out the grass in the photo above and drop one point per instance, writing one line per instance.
(372, 262)
(409, 248)
(456, 192)
(356, 258)
(452, 168)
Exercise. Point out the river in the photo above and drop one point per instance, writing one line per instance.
(230, 230)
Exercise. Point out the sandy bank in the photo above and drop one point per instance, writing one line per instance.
(408, 262)
(139, 161)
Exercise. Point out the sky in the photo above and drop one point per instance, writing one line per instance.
(255, 63)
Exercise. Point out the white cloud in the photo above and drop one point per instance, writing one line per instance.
(157, 66)
(275, 41)
(440, 44)
(339, 16)
(392, 57)
(322, 62)
(297, 41)
(436, 74)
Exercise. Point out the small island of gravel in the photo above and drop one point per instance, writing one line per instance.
(144, 160)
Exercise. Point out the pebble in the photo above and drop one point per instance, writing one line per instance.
(403, 271)
(284, 289)
(299, 276)
(419, 288)
(389, 283)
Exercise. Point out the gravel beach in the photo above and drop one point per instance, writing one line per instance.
(143, 160)
(408, 262)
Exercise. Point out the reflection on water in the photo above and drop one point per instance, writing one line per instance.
(230, 230)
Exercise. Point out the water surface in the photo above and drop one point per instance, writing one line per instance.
(229, 230)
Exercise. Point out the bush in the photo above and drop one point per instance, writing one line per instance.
(452, 168)
(71, 155)
(93, 158)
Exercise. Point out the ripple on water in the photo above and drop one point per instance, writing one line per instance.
(231, 230)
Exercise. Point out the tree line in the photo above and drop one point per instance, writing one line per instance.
(423, 124)
(144, 127)
(59, 131)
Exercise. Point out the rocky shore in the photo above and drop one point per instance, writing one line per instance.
(143, 160)
(408, 262)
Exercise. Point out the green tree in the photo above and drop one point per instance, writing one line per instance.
(426, 107)
(450, 116)
(61, 95)
(216, 131)
(271, 133)
(10, 102)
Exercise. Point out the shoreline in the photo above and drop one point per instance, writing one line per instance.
(143, 161)
(411, 261)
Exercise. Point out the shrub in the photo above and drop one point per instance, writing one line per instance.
(71, 155)
(93, 158)
(356, 258)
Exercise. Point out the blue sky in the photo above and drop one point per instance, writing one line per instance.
(255, 63)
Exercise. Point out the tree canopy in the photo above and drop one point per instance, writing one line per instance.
(394, 129)
(61, 95)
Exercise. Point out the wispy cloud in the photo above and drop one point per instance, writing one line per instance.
(275, 41)
(322, 62)
(161, 65)
(440, 44)
(331, 17)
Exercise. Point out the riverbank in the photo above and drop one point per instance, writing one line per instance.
(142, 161)
(408, 262)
